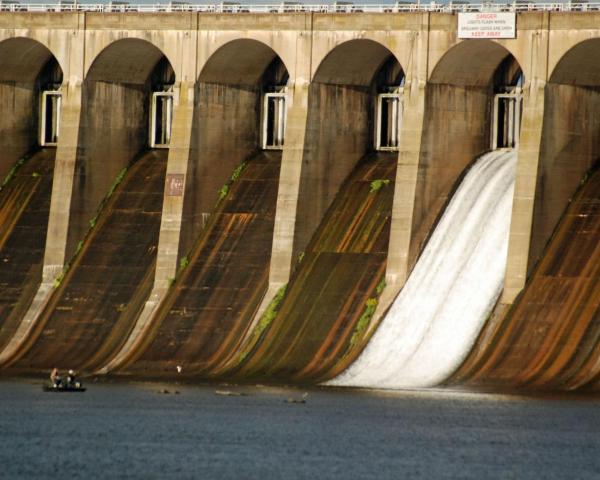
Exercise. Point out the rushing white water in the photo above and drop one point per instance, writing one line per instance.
(437, 316)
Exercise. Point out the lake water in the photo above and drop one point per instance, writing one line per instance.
(131, 431)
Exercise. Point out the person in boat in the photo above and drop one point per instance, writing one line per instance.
(71, 380)
(55, 377)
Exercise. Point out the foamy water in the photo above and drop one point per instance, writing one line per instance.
(437, 316)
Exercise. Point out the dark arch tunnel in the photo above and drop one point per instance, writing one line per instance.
(457, 124)
(27, 70)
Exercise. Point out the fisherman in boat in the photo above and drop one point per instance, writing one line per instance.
(55, 378)
(71, 381)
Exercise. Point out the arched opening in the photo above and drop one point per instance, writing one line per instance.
(30, 79)
(570, 138)
(355, 107)
(239, 109)
(472, 105)
(126, 108)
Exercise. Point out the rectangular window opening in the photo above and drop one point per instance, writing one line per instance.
(161, 118)
(506, 121)
(274, 110)
(50, 118)
(388, 121)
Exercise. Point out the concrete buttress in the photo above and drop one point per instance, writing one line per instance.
(289, 178)
(530, 143)
(398, 267)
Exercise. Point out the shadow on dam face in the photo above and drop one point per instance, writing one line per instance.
(27, 69)
(344, 212)
(114, 219)
(228, 217)
(550, 337)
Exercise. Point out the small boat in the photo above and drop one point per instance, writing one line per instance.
(64, 388)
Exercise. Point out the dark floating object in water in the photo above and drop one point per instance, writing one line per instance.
(167, 392)
(64, 388)
(229, 393)
(297, 400)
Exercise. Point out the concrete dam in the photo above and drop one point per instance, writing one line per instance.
(356, 198)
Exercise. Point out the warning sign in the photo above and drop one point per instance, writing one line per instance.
(487, 25)
(174, 184)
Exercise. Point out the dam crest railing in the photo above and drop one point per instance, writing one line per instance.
(297, 7)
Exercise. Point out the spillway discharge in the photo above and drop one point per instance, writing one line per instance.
(453, 288)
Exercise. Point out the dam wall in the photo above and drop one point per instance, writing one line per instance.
(329, 68)
(206, 50)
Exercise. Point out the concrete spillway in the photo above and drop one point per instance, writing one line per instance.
(93, 309)
(340, 270)
(210, 307)
(551, 337)
(24, 210)
(451, 291)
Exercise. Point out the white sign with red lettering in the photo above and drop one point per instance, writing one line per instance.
(487, 25)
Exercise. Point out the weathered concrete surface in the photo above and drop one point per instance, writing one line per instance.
(24, 210)
(210, 307)
(317, 320)
(18, 127)
(221, 112)
(92, 311)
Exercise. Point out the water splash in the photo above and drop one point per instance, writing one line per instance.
(435, 319)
